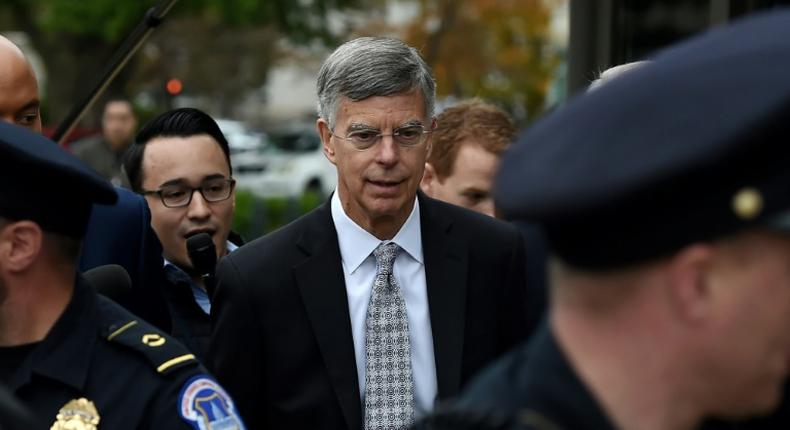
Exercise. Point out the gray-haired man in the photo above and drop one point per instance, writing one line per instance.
(364, 312)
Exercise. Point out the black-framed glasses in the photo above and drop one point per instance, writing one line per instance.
(180, 195)
(406, 136)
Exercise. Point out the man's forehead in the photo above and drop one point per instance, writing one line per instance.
(399, 108)
(18, 84)
(118, 107)
(207, 179)
(9, 50)
(169, 157)
(15, 71)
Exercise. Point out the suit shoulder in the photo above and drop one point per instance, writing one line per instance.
(129, 209)
(277, 241)
(469, 220)
(144, 341)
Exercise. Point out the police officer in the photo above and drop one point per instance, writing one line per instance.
(75, 358)
(665, 196)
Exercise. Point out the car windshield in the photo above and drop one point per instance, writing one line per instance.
(294, 142)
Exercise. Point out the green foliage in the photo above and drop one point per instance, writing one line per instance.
(107, 20)
(494, 49)
(77, 38)
(256, 216)
(110, 20)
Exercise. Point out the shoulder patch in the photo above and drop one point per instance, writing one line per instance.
(164, 353)
(122, 327)
(205, 405)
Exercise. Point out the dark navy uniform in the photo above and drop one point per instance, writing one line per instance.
(132, 373)
(688, 149)
(14, 415)
(532, 388)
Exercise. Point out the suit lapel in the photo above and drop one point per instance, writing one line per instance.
(445, 274)
(321, 284)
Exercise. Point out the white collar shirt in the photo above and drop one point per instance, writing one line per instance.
(359, 270)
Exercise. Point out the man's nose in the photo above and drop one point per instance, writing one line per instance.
(198, 208)
(388, 150)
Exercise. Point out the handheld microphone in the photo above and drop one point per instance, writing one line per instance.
(203, 254)
(110, 280)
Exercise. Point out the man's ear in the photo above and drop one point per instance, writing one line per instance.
(429, 148)
(21, 244)
(428, 177)
(689, 283)
(322, 127)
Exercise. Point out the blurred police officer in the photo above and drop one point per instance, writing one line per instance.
(75, 358)
(669, 224)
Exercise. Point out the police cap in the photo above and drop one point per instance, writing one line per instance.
(691, 147)
(42, 182)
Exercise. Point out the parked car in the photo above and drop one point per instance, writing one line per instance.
(290, 164)
(241, 139)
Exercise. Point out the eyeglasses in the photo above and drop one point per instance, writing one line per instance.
(179, 195)
(406, 136)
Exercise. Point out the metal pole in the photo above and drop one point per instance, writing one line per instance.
(153, 17)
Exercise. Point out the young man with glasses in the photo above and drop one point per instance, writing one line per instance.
(366, 311)
(180, 162)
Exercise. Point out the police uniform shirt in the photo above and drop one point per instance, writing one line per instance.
(101, 367)
(689, 148)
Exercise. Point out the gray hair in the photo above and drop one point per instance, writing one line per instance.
(372, 66)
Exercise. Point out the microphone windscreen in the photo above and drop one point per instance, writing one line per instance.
(111, 280)
(203, 254)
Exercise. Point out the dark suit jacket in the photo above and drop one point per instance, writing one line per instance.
(122, 234)
(282, 344)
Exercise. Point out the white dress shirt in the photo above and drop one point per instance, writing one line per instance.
(359, 270)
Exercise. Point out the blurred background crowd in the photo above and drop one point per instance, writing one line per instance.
(252, 65)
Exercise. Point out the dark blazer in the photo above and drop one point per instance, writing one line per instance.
(281, 342)
(122, 234)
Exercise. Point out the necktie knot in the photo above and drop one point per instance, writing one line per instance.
(385, 255)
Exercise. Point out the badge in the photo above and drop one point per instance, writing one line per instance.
(77, 414)
(206, 406)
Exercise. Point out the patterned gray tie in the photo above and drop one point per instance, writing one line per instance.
(389, 387)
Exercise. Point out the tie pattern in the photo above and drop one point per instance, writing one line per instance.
(389, 386)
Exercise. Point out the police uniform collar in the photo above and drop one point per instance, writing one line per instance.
(64, 354)
(554, 391)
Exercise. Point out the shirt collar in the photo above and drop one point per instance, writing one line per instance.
(356, 244)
